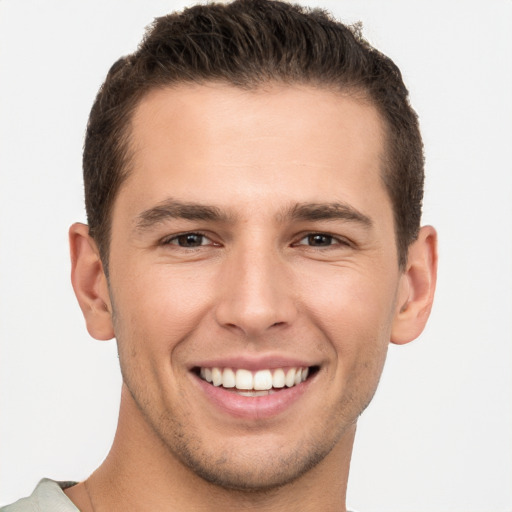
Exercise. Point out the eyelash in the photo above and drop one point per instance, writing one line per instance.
(333, 240)
(176, 238)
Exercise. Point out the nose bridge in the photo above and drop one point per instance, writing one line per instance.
(255, 295)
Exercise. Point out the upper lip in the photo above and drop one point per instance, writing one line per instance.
(267, 362)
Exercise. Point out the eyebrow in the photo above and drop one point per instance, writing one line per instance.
(328, 211)
(173, 209)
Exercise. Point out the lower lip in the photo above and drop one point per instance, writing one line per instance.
(253, 407)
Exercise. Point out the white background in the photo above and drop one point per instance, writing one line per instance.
(438, 436)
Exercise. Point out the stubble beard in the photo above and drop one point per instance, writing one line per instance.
(259, 473)
(253, 473)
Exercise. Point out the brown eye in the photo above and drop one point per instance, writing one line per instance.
(322, 240)
(189, 240)
(319, 240)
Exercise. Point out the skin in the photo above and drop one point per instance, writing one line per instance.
(258, 285)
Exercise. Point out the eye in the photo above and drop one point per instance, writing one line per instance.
(188, 240)
(318, 240)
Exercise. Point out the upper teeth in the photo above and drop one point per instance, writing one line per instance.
(259, 381)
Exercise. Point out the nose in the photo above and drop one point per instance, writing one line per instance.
(256, 292)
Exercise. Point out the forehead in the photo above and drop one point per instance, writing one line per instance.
(217, 143)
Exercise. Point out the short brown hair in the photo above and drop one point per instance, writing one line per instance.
(247, 43)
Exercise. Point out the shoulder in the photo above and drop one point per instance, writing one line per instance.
(48, 496)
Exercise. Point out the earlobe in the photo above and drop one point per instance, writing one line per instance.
(417, 287)
(90, 283)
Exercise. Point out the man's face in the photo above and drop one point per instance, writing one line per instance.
(253, 239)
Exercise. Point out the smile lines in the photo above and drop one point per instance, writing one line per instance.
(262, 380)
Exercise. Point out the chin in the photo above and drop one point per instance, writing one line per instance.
(255, 473)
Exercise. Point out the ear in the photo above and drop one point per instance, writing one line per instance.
(416, 288)
(90, 283)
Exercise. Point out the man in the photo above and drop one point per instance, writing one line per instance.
(253, 178)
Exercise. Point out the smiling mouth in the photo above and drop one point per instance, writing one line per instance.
(259, 383)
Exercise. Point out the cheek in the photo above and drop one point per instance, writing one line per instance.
(354, 312)
(350, 305)
(156, 308)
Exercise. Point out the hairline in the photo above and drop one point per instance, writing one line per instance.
(357, 93)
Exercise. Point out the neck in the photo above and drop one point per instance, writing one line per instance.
(140, 473)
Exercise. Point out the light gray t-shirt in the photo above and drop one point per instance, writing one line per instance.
(48, 496)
